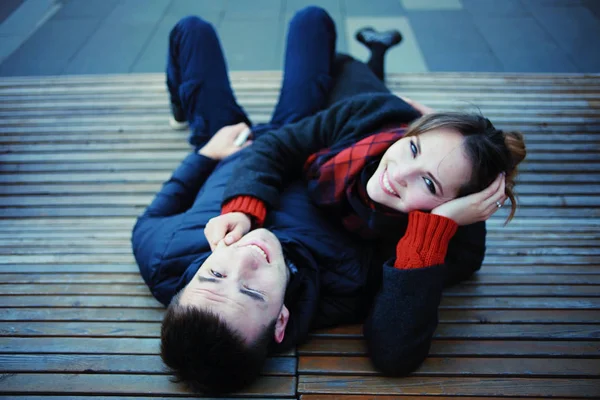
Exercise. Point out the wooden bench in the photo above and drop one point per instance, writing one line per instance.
(83, 156)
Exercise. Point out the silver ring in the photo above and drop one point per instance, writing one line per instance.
(498, 204)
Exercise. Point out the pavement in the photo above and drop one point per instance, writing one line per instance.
(72, 37)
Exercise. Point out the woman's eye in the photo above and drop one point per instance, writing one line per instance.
(216, 274)
(413, 149)
(430, 185)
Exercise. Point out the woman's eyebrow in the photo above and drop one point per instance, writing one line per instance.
(429, 174)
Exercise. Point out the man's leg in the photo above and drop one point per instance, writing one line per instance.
(307, 72)
(197, 80)
(352, 77)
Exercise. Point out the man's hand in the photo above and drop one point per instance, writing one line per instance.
(475, 207)
(423, 109)
(228, 227)
(222, 144)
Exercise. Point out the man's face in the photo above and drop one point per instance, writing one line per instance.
(243, 283)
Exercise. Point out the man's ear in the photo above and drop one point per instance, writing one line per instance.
(282, 320)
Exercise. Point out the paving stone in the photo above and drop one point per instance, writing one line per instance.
(95, 9)
(431, 4)
(48, 51)
(153, 56)
(8, 44)
(138, 11)
(576, 30)
(248, 44)
(244, 9)
(495, 8)
(406, 57)
(113, 48)
(525, 47)
(379, 8)
(450, 41)
(332, 6)
(196, 7)
(7, 7)
(25, 18)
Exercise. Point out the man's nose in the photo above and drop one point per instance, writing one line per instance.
(246, 260)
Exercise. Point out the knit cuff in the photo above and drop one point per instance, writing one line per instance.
(425, 242)
(248, 205)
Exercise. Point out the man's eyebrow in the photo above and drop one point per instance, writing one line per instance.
(249, 293)
(204, 279)
(433, 178)
(252, 294)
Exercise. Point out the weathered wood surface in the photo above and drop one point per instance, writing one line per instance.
(82, 156)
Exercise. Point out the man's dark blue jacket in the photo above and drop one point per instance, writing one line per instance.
(340, 279)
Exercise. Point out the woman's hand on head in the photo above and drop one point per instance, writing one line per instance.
(474, 207)
(222, 144)
(228, 228)
(423, 109)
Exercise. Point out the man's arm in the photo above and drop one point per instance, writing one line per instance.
(404, 314)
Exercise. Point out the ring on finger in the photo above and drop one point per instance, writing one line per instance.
(498, 204)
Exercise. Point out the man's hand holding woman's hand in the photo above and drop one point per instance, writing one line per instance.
(222, 143)
(228, 227)
(474, 207)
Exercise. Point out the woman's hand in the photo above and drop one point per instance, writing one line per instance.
(423, 109)
(475, 207)
(228, 227)
(222, 144)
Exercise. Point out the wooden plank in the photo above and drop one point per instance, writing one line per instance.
(85, 345)
(445, 315)
(444, 331)
(462, 348)
(135, 385)
(499, 366)
(61, 289)
(450, 386)
(115, 363)
(492, 331)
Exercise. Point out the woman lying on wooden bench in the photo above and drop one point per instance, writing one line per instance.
(230, 302)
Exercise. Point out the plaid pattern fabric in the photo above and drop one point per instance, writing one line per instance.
(333, 176)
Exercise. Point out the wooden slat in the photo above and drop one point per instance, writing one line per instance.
(463, 366)
(451, 386)
(126, 384)
(461, 348)
(113, 364)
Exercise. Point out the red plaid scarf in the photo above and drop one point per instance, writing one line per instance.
(337, 181)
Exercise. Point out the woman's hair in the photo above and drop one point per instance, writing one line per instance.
(490, 150)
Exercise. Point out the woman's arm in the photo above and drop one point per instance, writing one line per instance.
(403, 317)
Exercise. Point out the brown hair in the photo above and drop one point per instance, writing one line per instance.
(491, 151)
(203, 352)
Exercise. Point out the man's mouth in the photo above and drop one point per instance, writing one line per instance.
(385, 184)
(260, 249)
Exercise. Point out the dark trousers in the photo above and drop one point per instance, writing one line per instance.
(197, 74)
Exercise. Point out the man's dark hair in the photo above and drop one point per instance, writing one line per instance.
(206, 354)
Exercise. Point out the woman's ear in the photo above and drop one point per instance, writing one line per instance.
(280, 325)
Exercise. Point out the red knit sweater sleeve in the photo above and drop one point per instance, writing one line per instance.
(425, 242)
(248, 205)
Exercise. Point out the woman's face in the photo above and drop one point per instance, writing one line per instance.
(421, 172)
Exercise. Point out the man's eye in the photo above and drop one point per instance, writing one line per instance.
(413, 149)
(430, 185)
(216, 274)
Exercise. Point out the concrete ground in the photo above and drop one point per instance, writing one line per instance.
(66, 37)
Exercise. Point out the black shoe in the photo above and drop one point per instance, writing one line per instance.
(177, 119)
(369, 37)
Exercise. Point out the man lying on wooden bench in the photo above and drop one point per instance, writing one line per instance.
(230, 303)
